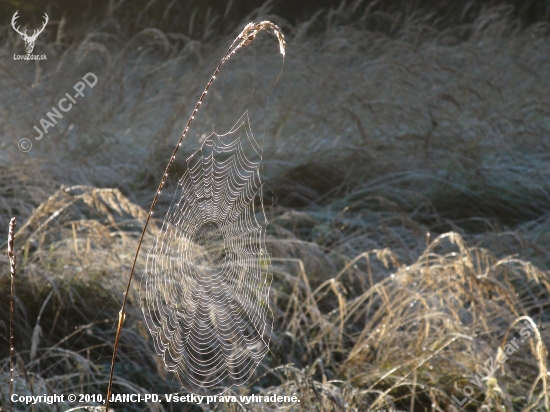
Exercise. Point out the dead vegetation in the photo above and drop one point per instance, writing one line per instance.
(408, 179)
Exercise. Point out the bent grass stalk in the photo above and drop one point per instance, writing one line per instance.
(242, 40)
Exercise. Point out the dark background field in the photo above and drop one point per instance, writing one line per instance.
(407, 185)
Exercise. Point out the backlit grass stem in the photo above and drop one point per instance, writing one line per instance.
(13, 268)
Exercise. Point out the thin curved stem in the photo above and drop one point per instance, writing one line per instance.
(242, 40)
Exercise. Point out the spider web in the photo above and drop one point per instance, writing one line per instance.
(205, 290)
(206, 284)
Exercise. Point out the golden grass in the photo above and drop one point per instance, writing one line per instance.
(385, 129)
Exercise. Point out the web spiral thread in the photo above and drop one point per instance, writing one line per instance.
(206, 284)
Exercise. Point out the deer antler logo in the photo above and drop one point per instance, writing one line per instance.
(29, 40)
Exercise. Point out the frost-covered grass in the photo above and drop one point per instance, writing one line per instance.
(380, 131)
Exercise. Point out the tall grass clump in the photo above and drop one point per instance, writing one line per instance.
(407, 190)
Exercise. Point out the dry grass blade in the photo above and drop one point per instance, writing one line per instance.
(13, 268)
(37, 332)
